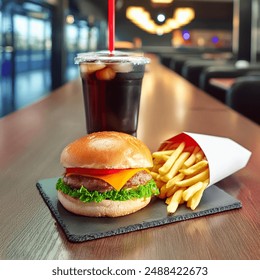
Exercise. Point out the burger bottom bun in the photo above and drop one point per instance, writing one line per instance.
(105, 208)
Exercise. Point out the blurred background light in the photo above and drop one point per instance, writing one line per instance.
(161, 17)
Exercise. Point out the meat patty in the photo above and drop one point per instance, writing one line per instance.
(95, 184)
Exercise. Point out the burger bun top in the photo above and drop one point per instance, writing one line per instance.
(107, 150)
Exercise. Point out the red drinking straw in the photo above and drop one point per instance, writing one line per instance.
(111, 25)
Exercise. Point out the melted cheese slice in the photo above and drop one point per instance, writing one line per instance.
(119, 179)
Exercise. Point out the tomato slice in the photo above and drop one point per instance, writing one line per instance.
(92, 172)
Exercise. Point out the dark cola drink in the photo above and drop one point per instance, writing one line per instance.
(112, 91)
(112, 99)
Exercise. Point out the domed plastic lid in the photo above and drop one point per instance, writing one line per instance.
(115, 57)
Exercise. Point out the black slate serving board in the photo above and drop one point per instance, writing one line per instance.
(80, 229)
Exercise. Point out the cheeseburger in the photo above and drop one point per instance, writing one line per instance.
(106, 174)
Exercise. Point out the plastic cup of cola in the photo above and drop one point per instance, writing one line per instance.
(112, 85)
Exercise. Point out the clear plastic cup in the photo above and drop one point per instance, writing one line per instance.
(112, 85)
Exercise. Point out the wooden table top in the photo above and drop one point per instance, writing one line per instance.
(32, 139)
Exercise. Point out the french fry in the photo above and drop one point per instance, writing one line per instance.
(175, 179)
(168, 200)
(155, 175)
(199, 155)
(193, 180)
(160, 184)
(192, 159)
(163, 191)
(194, 201)
(175, 201)
(189, 192)
(176, 166)
(162, 153)
(171, 191)
(195, 168)
(168, 164)
(206, 182)
(159, 160)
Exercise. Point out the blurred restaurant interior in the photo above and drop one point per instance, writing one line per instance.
(198, 39)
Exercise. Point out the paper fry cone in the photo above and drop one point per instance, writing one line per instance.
(224, 155)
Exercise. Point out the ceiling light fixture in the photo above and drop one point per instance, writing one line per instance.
(70, 19)
(162, 1)
(161, 17)
(142, 18)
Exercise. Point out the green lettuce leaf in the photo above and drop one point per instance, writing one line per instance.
(84, 195)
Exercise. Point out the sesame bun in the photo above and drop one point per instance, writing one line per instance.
(105, 208)
(108, 149)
